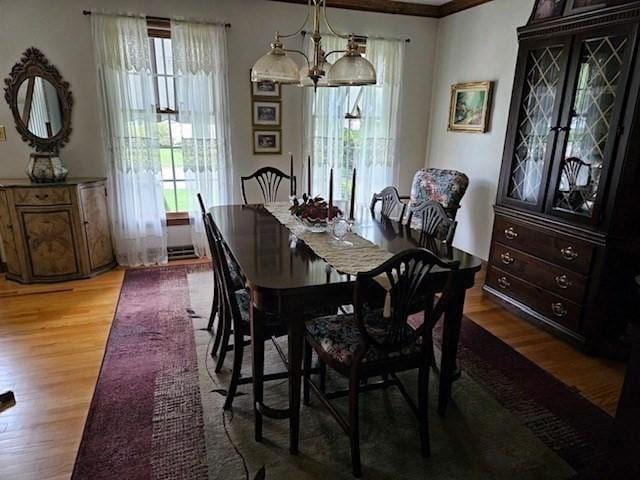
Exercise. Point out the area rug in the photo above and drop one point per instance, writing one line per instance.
(157, 409)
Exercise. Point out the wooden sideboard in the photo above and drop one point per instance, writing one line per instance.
(54, 232)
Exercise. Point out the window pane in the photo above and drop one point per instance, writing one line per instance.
(168, 56)
(163, 131)
(157, 43)
(183, 200)
(169, 197)
(171, 94)
(165, 161)
(178, 165)
(162, 93)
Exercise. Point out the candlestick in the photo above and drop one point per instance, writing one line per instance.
(291, 179)
(309, 175)
(353, 196)
(331, 195)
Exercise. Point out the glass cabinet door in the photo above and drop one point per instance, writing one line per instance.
(590, 125)
(538, 113)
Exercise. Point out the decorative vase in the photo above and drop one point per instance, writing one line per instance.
(46, 168)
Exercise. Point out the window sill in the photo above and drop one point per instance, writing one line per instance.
(175, 219)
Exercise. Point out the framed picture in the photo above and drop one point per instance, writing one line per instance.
(583, 5)
(470, 107)
(265, 89)
(546, 9)
(266, 114)
(267, 142)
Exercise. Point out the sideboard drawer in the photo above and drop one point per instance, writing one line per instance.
(42, 196)
(568, 252)
(557, 280)
(553, 307)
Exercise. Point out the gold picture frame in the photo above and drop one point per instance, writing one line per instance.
(470, 107)
(267, 142)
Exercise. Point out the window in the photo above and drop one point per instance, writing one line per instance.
(170, 131)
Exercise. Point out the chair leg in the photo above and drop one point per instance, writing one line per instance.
(323, 376)
(308, 354)
(238, 351)
(257, 358)
(423, 407)
(224, 345)
(354, 424)
(214, 306)
(219, 312)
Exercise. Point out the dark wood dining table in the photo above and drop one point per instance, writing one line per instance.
(286, 277)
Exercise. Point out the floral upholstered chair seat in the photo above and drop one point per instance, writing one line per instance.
(339, 337)
(444, 186)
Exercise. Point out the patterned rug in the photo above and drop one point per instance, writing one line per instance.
(156, 412)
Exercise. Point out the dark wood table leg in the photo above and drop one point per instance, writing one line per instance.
(296, 344)
(450, 338)
(257, 359)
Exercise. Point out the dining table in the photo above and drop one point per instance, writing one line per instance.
(286, 277)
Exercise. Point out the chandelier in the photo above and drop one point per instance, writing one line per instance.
(351, 69)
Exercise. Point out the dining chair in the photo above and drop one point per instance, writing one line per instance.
(433, 221)
(391, 204)
(222, 332)
(378, 341)
(269, 180)
(444, 186)
(237, 303)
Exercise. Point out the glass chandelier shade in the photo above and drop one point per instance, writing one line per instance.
(276, 66)
(307, 81)
(352, 70)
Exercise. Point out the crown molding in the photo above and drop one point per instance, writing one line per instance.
(400, 8)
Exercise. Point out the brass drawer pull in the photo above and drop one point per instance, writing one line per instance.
(507, 259)
(510, 233)
(504, 283)
(559, 310)
(563, 281)
(569, 253)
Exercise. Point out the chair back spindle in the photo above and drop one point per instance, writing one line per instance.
(269, 180)
(409, 280)
(391, 204)
(434, 221)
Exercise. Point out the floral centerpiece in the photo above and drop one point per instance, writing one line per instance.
(313, 212)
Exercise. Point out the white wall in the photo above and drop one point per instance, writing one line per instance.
(61, 31)
(475, 45)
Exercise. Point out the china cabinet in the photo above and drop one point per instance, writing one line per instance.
(56, 231)
(567, 206)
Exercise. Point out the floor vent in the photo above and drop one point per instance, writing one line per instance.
(181, 253)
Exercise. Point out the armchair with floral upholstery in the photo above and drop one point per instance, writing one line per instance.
(444, 186)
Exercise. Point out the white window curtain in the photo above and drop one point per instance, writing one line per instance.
(125, 87)
(200, 68)
(367, 143)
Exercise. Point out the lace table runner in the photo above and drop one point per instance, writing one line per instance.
(361, 256)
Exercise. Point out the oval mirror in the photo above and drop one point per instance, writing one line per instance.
(40, 108)
(40, 101)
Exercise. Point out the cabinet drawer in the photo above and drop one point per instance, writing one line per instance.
(42, 196)
(557, 280)
(553, 307)
(556, 248)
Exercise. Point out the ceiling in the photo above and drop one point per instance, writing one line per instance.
(428, 2)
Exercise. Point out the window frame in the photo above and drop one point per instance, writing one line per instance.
(161, 28)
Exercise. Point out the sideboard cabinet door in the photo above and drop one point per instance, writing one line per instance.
(51, 249)
(8, 239)
(96, 225)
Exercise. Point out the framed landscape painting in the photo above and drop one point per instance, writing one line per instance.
(470, 105)
(266, 114)
(267, 142)
(548, 9)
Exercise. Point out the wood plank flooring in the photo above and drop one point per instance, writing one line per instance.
(52, 339)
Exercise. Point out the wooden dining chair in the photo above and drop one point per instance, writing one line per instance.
(391, 204)
(379, 341)
(433, 221)
(269, 180)
(237, 304)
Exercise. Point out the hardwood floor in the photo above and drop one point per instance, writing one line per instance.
(52, 339)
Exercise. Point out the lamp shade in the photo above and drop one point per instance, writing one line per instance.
(277, 67)
(352, 70)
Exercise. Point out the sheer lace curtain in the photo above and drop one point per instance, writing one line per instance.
(368, 143)
(200, 68)
(126, 95)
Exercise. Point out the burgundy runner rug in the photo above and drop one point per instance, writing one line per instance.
(146, 421)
